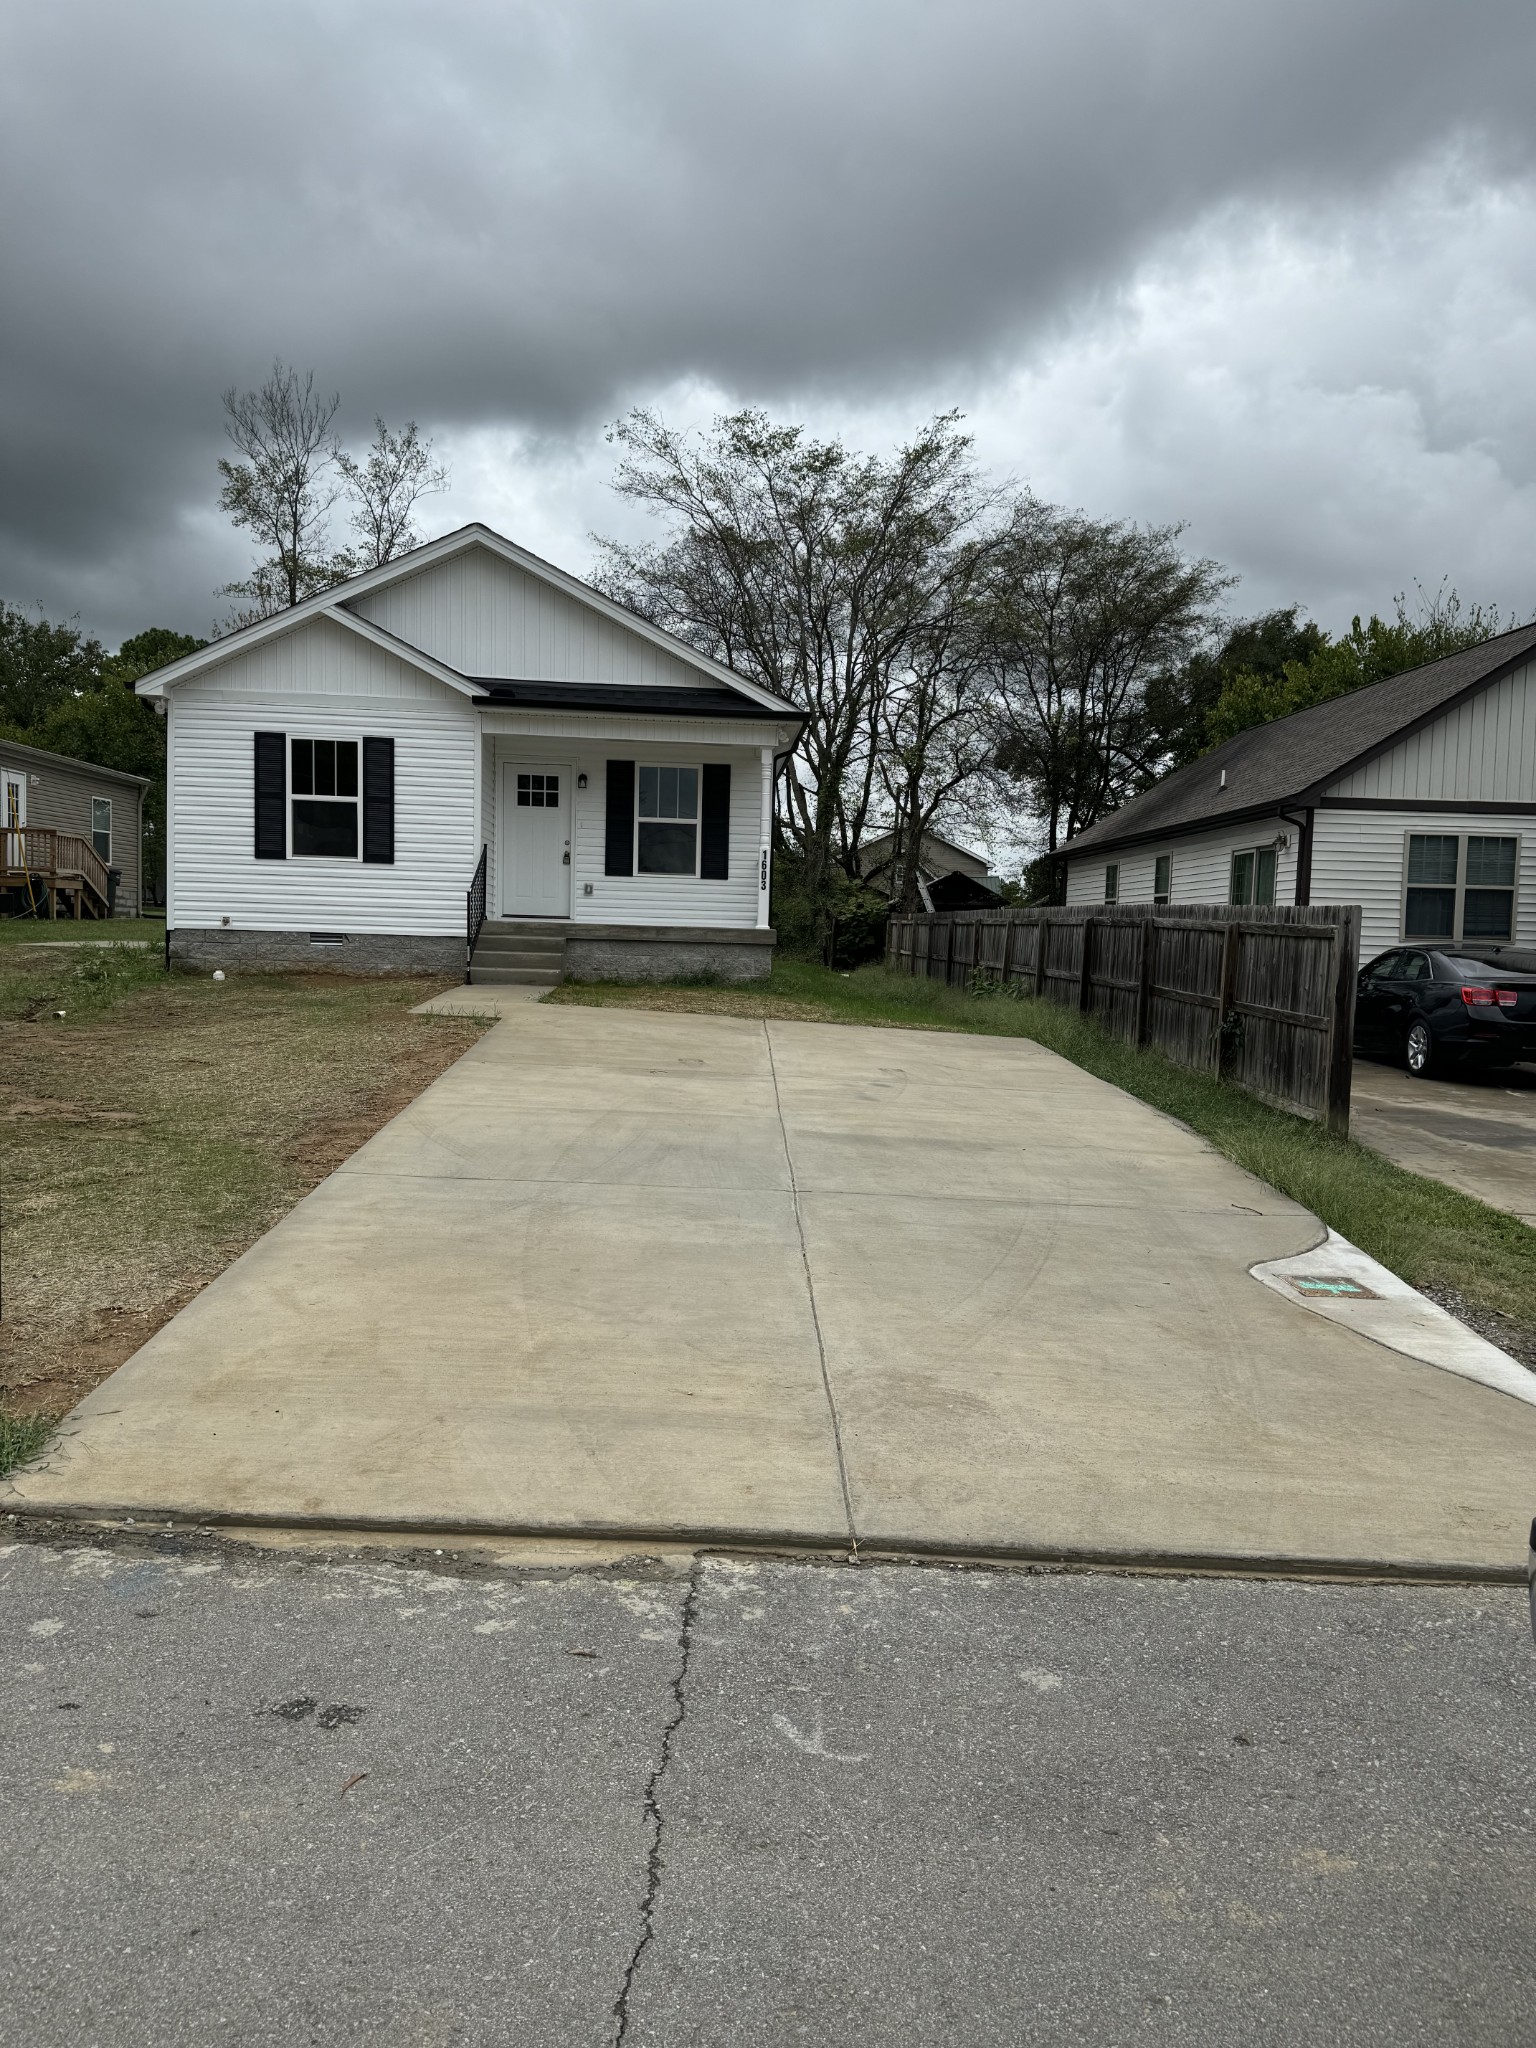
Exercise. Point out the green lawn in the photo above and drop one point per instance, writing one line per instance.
(34, 931)
(1436, 1239)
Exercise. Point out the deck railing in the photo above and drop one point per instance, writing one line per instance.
(474, 911)
(40, 859)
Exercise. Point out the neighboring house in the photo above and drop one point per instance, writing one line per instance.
(949, 877)
(1415, 798)
(73, 835)
(340, 777)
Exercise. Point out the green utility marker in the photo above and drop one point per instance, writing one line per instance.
(1331, 1284)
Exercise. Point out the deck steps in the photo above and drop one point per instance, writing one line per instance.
(514, 953)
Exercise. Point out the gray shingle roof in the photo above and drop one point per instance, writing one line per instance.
(1294, 757)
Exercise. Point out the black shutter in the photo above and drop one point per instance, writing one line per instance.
(715, 823)
(619, 852)
(271, 796)
(378, 800)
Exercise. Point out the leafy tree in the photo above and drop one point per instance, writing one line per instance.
(42, 665)
(281, 490)
(386, 487)
(1085, 616)
(1366, 654)
(1180, 703)
(818, 573)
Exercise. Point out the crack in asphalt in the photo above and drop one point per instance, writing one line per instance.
(655, 1861)
(810, 1288)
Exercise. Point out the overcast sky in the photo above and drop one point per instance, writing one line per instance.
(1268, 269)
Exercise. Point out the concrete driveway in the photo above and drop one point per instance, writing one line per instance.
(701, 1278)
(1476, 1133)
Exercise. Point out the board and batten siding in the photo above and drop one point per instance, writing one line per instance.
(1359, 857)
(1202, 866)
(1482, 751)
(484, 616)
(323, 682)
(636, 899)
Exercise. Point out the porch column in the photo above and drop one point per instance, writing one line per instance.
(765, 841)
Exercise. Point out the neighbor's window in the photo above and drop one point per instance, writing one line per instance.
(1112, 882)
(1460, 886)
(1253, 876)
(101, 827)
(667, 825)
(1162, 878)
(325, 799)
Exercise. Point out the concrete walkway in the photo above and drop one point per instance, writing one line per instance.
(1476, 1133)
(701, 1278)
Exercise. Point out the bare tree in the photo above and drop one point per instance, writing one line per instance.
(385, 489)
(1084, 616)
(811, 570)
(281, 490)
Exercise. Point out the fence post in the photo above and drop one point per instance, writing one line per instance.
(1232, 939)
(1341, 1036)
(1085, 977)
(1042, 946)
(1009, 928)
(1146, 978)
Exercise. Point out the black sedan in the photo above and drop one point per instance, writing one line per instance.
(1437, 1007)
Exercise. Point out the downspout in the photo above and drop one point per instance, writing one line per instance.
(1303, 826)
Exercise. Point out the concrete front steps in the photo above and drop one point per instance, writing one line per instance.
(520, 952)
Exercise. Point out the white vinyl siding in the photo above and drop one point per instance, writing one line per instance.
(1484, 751)
(323, 682)
(638, 899)
(486, 617)
(1202, 866)
(1360, 857)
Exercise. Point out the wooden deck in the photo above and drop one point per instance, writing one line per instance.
(51, 874)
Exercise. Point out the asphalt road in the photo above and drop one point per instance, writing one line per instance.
(1475, 1131)
(263, 1799)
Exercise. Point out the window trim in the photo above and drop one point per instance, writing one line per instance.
(1458, 936)
(1233, 856)
(1165, 895)
(296, 796)
(104, 858)
(641, 764)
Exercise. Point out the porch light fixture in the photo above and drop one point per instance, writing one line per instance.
(581, 782)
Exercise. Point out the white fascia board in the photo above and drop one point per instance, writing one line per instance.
(402, 650)
(640, 728)
(341, 596)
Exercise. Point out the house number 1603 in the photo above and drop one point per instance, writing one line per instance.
(764, 882)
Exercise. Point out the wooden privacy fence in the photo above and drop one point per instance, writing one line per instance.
(1264, 998)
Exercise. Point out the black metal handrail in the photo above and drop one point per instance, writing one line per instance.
(474, 911)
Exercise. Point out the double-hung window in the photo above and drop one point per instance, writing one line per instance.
(324, 785)
(1253, 876)
(1460, 885)
(101, 827)
(667, 821)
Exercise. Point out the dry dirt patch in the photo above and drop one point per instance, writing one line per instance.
(162, 1124)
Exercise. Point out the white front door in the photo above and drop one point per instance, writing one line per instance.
(13, 811)
(535, 832)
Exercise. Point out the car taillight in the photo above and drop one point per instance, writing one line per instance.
(1504, 998)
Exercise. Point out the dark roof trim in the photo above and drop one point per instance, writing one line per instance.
(650, 700)
(1074, 850)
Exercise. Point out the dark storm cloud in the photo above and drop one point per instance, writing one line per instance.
(519, 214)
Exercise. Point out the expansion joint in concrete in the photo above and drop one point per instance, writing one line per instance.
(810, 1289)
(655, 1818)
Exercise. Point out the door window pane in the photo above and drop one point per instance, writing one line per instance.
(538, 792)
(1242, 878)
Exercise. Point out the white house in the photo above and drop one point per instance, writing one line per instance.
(353, 780)
(1415, 798)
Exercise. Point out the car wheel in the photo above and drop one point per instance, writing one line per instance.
(1420, 1049)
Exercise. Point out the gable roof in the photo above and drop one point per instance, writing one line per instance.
(1291, 760)
(336, 604)
(16, 750)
